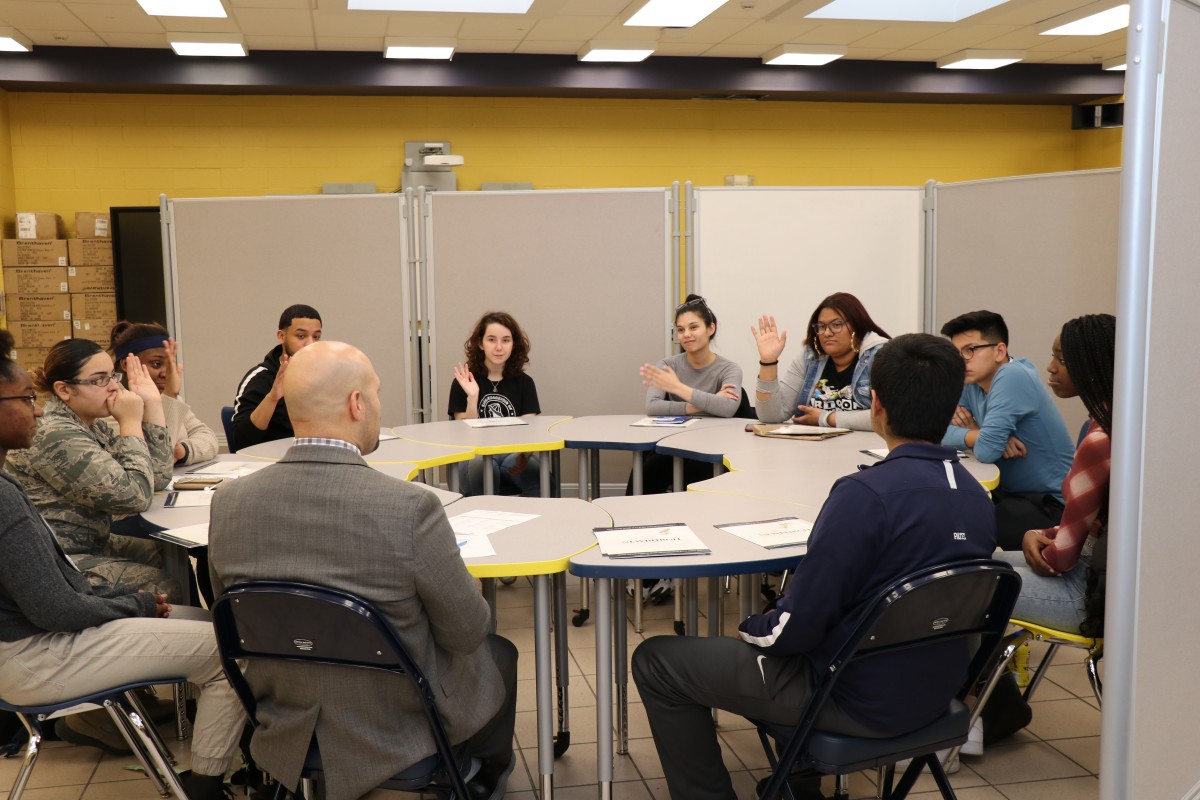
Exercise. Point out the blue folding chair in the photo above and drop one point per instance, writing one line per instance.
(227, 424)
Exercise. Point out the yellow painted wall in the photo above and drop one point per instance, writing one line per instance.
(89, 151)
(8, 208)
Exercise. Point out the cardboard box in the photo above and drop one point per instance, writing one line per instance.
(34, 252)
(93, 306)
(39, 334)
(90, 252)
(90, 280)
(36, 280)
(92, 225)
(98, 330)
(38, 307)
(39, 225)
(31, 357)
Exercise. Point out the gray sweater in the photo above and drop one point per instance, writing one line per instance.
(705, 384)
(40, 589)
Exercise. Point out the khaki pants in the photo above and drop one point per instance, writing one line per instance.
(51, 667)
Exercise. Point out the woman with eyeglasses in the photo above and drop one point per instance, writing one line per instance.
(829, 383)
(82, 470)
(192, 441)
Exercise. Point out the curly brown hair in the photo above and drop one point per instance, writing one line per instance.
(473, 347)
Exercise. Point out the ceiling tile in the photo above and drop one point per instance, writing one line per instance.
(770, 33)
(585, 7)
(438, 25)
(44, 16)
(487, 46)
(565, 28)
(842, 32)
(199, 25)
(294, 4)
(152, 40)
(351, 43)
(494, 26)
(549, 48)
(65, 38)
(119, 19)
(736, 51)
(274, 22)
(960, 37)
(856, 53)
(758, 9)
(902, 34)
(281, 42)
(1027, 12)
(709, 30)
(349, 23)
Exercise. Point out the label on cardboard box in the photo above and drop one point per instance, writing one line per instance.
(91, 224)
(38, 334)
(98, 330)
(38, 307)
(93, 306)
(91, 280)
(33, 252)
(90, 252)
(39, 225)
(36, 280)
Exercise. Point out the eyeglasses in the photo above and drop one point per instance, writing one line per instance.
(699, 301)
(833, 327)
(104, 381)
(28, 398)
(970, 350)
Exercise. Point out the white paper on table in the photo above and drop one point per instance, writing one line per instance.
(671, 539)
(494, 422)
(482, 522)
(188, 536)
(387, 436)
(189, 499)
(475, 546)
(663, 422)
(231, 469)
(805, 430)
(771, 533)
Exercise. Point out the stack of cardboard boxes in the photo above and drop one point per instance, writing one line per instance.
(57, 288)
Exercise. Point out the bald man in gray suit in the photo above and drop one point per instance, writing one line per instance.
(321, 515)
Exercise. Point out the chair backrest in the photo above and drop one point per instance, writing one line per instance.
(227, 424)
(745, 410)
(280, 620)
(950, 601)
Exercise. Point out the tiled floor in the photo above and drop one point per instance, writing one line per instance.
(1056, 758)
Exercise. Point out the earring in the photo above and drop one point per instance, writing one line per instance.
(816, 349)
(853, 343)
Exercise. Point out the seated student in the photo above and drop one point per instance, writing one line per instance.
(493, 383)
(1007, 418)
(831, 378)
(192, 441)
(917, 508)
(58, 639)
(82, 470)
(259, 411)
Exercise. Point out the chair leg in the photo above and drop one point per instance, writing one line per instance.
(183, 728)
(1041, 671)
(155, 736)
(1093, 671)
(32, 750)
(841, 787)
(121, 719)
(153, 744)
(1011, 643)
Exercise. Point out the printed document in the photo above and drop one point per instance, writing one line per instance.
(771, 533)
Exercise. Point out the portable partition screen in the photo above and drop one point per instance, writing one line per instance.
(237, 263)
(1039, 250)
(779, 251)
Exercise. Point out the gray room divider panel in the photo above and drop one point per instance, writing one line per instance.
(238, 262)
(585, 273)
(1038, 250)
(781, 250)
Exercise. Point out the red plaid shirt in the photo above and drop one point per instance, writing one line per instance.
(1084, 492)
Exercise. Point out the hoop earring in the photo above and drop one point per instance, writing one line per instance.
(816, 349)
(853, 344)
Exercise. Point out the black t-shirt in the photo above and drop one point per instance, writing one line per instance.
(508, 397)
(833, 391)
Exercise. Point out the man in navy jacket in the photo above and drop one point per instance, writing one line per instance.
(917, 508)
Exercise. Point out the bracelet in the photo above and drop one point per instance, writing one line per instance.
(768, 363)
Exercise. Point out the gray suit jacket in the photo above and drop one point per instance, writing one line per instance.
(322, 516)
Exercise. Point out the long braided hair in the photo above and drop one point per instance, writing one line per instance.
(1089, 349)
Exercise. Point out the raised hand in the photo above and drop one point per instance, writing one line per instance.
(462, 374)
(139, 381)
(769, 339)
(174, 369)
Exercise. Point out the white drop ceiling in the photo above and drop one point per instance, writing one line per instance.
(738, 29)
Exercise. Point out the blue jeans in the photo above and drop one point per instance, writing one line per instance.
(527, 483)
(1055, 602)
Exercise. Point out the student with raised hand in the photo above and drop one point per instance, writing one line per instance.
(1006, 418)
(493, 383)
(829, 383)
(81, 471)
(192, 441)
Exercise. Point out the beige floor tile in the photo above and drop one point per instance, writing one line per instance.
(122, 790)
(1087, 788)
(644, 757)
(58, 764)
(1035, 761)
(51, 793)
(965, 778)
(973, 793)
(1084, 751)
(1064, 719)
(1072, 677)
(629, 790)
(116, 768)
(579, 694)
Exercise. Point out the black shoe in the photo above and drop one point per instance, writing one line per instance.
(92, 729)
(804, 786)
(1006, 711)
(205, 787)
(491, 782)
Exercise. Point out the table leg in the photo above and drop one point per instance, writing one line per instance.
(677, 474)
(582, 614)
(545, 721)
(595, 473)
(489, 594)
(718, 469)
(746, 589)
(489, 480)
(637, 472)
(556, 473)
(604, 688)
(562, 739)
(544, 474)
(714, 614)
(621, 661)
(452, 476)
(583, 471)
(692, 602)
(639, 602)
(680, 630)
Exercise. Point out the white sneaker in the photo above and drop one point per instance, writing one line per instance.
(660, 591)
(974, 744)
(950, 766)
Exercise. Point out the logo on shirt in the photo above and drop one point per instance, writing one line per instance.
(826, 398)
(960, 537)
(496, 405)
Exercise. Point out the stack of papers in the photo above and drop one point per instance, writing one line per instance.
(641, 541)
(658, 422)
(494, 422)
(189, 536)
(189, 499)
(472, 529)
(771, 533)
(231, 469)
(810, 432)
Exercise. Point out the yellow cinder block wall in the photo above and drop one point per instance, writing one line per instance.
(74, 152)
(8, 206)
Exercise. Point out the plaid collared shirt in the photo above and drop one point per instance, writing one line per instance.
(1085, 491)
(342, 443)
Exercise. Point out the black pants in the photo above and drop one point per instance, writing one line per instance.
(658, 473)
(1020, 512)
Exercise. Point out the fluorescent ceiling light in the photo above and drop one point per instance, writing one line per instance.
(905, 11)
(673, 13)
(1107, 21)
(795, 55)
(183, 8)
(13, 42)
(454, 6)
(980, 59)
(229, 49)
(1115, 64)
(591, 53)
(418, 51)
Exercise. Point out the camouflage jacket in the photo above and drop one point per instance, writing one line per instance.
(80, 477)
